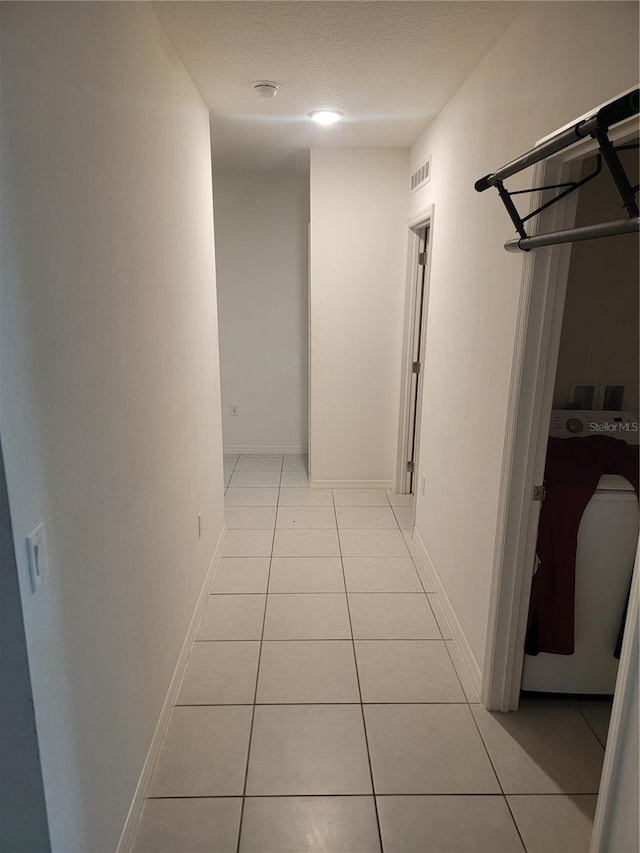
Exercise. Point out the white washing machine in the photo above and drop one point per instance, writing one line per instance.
(607, 542)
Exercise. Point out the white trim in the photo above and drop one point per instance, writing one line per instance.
(622, 718)
(424, 220)
(413, 246)
(535, 353)
(421, 217)
(350, 484)
(592, 112)
(309, 371)
(426, 293)
(131, 823)
(536, 346)
(265, 449)
(456, 628)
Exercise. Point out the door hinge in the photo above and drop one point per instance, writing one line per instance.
(415, 367)
(410, 467)
(539, 493)
(422, 259)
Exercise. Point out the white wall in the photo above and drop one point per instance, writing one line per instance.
(262, 223)
(109, 393)
(556, 61)
(600, 325)
(358, 257)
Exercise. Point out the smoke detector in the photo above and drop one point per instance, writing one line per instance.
(265, 88)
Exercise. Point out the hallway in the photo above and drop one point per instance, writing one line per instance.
(324, 673)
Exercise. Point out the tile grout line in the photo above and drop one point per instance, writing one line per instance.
(486, 749)
(319, 592)
(255, 693)
(455, 669)
(466, 701)
(233, 470)
(280, 702)
(499, 781)
(513, 818)
(255, 705)
(338, 639)
(358, 796)
(595, 734)
(468, 704)
(426, 597)
(442, 639)
(355, 661)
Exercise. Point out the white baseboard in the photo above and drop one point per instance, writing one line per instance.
(449, 612)
(350, 484)
(131, 823)
(265, 449)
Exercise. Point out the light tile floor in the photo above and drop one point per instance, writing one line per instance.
(326, 707)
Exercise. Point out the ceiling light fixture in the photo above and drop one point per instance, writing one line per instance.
(265, 88)
(326, 116)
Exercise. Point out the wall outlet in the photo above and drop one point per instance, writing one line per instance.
(200, 525)
(422, 484)
(37, 556)
(234, 410)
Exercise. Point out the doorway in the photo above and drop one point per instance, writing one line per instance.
(572, 635)
(413, 357)
(537, 348)
(536, 353)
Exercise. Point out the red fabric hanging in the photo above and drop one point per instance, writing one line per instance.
(573, 469)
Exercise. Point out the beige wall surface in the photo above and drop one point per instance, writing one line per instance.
(600, 324)
(357, 272)
(109, 393)
(535, 79)
(262, 234)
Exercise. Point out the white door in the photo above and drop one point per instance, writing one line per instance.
(417, 349)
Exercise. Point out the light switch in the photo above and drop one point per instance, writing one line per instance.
(37, 556)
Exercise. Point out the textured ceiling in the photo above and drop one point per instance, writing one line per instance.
(389, 66)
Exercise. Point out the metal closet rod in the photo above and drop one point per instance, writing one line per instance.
(596, 126)
(574, 235)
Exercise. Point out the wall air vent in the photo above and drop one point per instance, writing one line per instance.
(421, 176)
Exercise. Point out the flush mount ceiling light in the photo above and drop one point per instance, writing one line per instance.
(326, 116)
(265, 88)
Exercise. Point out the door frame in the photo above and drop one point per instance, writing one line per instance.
(423, 220)
(536, 348)
(616, 793)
